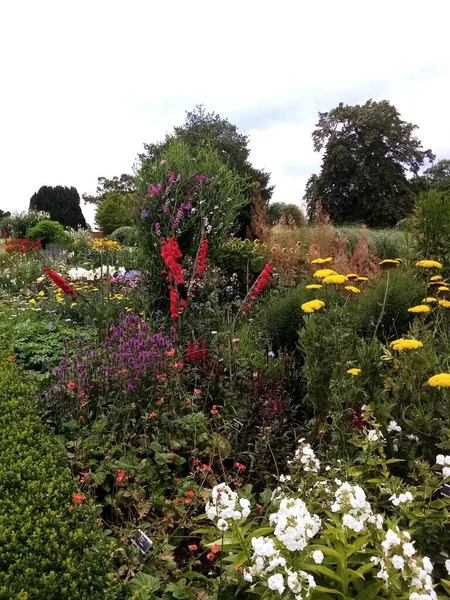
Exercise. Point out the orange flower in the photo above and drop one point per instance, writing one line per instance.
(120, 476)
(193, 547)
(11, 358)
(161, 377)
(78, 498)
(152, 415)
(190, 494)
(215, 548)
(210, 556)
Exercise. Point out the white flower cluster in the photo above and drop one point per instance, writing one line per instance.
(393, 427)
(295, 526)
(351, 500)
(444, 462)
(401, 498)
(266, 559)
(305, 454)
(76, 273)
(225, 504)
(399, 554)
(374, 436)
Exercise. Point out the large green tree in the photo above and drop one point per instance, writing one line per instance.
(438, 176)
(115, 210)
(123, 185)
(62, 203)
(368, 150)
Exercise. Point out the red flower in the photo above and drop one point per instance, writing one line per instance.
(197, 392)
(177, 479)
(152, 415)
(201, 257)
(170, 253)
(71, 385)
(196, 462)
(207, 469)
(174, 297)
(61, 284)
(187, 501)
(78, 498)
(257, 288)
(210, 556)
(214, 410)
(120, 476)
(177, 501)
(190, 494)
(241, 467)
(11, 358)
(215, 548)
(193, 547)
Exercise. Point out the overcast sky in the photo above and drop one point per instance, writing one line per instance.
(83, 84)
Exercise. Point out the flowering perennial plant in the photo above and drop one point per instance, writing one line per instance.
(256, 289)
(225, 505)
(61, 283)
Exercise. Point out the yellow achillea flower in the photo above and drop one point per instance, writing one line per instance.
(352, 289)
(352, 276)
(389, 263)
(313, 286)
(401, 345)
(436, 283)
(444, 303)
(429, 300)
(321, 273)
(354, 372)
(338, 279)
(32, 301)
(41, 294)
(440, 380)
(312, 306)
(321, 261)
(429, 264)
(363, 279)
(436, 278)
(420, 308)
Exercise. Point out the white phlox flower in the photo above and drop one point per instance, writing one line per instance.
(401, 498)
(295, 526)
(226, 504)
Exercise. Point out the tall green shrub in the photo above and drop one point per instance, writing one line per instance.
(46, 551)
(432, 225)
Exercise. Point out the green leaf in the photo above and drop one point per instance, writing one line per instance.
(320, 588)
(259, 532)
(370, 592)
(322, 570)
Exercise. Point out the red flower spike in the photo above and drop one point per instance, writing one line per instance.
(61, 284)
(170, 253)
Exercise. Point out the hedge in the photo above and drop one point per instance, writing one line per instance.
(49, 548)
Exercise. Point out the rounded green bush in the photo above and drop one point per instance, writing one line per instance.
(126, 236)
(50, 232)
(47, 551)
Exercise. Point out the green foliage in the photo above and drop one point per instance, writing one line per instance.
(62, 204)
(114, 211)
(47, 553)
(291, 213)
(49, 232)
(367, 151)
(122, 185)
(438, 176)
(126, 236)
(404, 290)
(431, 224)
(17, 224)
(282, 317)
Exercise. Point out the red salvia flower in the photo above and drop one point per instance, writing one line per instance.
(174, 312)
(201, 259)
(257, 288)
(61, 284)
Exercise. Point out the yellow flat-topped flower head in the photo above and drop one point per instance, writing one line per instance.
(437, 283)
(321, 273)
(440, 380)
(354, 372)
(312, 306)
(429, 264)
(313, 286)
(389, 263)
(401, 345)
(429, 300)
(444, 303)
(352, 289)
(337, 279)
(436, 278)
(420, 308)
(352, 276)
(363, 279)
(321, 261)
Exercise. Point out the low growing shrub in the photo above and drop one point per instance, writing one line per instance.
(49, 232)
(50, 549)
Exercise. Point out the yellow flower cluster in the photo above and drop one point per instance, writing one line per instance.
(337, 279)
(390, 263)
(402, 344)
(314, 286)
(354, 372)
(108, 245)
(429, 264)
(322, 273)
(420, 308)
(444, 303)
(440, 380)
(352, 289)
(429, 300)
(312, 306)
(321, 261)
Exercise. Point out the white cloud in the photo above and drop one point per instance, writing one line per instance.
(85, 84)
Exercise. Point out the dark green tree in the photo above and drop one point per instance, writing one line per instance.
(438, 176)
(123, 185)
(368, 151)
(62, 204)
